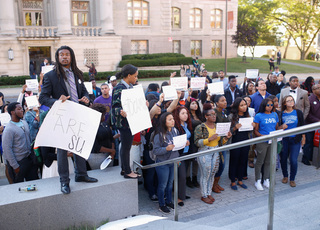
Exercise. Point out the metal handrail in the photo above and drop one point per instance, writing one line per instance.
(273, 137)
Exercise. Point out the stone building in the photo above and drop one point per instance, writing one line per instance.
(100, 31)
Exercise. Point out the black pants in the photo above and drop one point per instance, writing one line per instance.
(28, 170)
(238, 162)
(126, 142)
(182, 181)
(271, 66)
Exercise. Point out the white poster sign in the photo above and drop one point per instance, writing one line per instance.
(223, 128)
(198, 83)
(46, 69)
(179, 142)
(69, 126)
(276, 132)
(88, 86)
(252, 73)
(134, 104)
(170, 93)
(216, 88)
(32, 84)
(180, 83)
(5, 118)
(32, 101)
(246, 124)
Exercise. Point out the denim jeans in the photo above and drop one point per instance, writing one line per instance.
(165, 183)
(291, 150)
(221, 164)
(308, 147)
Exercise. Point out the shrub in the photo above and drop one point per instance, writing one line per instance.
(150, 56)
(157, 61)
(19, 80)
(311, 55)
(265, 56)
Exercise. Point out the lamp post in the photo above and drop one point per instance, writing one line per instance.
(226, 40)
(10, 54)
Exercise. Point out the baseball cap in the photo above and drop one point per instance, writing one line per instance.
(113, 78)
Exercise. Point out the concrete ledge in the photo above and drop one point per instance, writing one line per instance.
(112, 198)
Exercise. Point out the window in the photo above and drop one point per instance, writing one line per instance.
(138, 13)
(176, 44)
(139, 47)
(196, 48)
(32, 12)
(216, 47)
(216, 19)
(195, 18)
(80, 12)
(92, 56)
(175, 18)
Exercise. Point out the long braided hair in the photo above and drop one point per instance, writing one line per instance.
(60, 72)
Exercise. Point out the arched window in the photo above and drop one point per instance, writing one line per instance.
(138, 13)
(175, 17)
(195, 18)
(216, 19)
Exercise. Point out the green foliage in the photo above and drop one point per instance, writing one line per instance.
(163, 61)
(19, 80)
(311, 55)
(265, 56)
(150, 56)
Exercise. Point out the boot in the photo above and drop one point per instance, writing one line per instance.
(219, 187)
(215, 185)
(189, 182)
(195, 182)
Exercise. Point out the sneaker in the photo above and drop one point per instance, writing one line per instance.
(164, 209)
(154, 198)
(258, 185)
(170, 205)
(266, 183)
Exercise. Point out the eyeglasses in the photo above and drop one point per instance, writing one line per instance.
(290, 100)
(269, 105)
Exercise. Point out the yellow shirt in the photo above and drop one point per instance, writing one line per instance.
(214, 142)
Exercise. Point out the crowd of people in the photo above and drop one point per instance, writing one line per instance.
(272, 105)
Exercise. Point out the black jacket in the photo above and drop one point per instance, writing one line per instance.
(298, 137)
(273, 89)
(227, 94)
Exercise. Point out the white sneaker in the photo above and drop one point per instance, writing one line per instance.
(258, 185)
(266, 183)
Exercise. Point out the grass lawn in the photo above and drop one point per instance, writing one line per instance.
(235, 65)
(306, 62)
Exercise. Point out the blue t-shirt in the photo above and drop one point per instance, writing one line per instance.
(290, 119)
(185, 127)
(267, 122)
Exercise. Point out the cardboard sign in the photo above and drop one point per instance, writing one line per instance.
(5, 118)
(32, 85)
(32, 101)
(198, 83)
(252, 73)
(223, 128)
(46, 69)
(134, 104)
(180, 83)
(246, 124)
(216, 88)
(170, 93)
(88, 86)
(69, 126)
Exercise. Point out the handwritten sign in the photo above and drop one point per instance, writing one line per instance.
(251, 111)
(246, 124)
(88, 86)
(32, 101)
(170, 93)
(198, 83)
(180, 83)
(5, 118)
(69, 126)
(179, 142)
(276, 132)
(134, 104)
(32, 84)
(46, 69)
(252, 73)
(223, 128)
(216, 88)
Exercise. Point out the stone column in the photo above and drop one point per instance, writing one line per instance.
(106, 17)
(7, 19)
(63, 16)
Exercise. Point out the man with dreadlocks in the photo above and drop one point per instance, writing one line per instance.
(65, 82)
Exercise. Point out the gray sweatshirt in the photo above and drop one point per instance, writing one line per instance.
(160, 144)
(16, 143)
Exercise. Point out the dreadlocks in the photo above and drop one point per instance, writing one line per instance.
(60, 72)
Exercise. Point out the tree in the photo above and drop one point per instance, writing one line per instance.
(301, 18)
(246, 36)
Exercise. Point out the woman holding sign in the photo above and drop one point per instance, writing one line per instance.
(205, 137)
(238, 156)
(129, 74)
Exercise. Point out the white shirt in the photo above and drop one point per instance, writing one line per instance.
(294, 95)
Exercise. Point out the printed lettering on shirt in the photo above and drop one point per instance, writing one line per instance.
(270, 120)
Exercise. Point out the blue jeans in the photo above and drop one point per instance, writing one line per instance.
(308, 147)
(221, 164)
(165, 183)
(290, 149)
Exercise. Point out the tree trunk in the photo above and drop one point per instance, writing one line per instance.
(285, 52)
(303, 51)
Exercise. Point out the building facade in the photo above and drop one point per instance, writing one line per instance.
(100, 31)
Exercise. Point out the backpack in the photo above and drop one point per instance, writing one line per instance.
(151, 154)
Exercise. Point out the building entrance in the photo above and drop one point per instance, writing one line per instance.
(38, 54)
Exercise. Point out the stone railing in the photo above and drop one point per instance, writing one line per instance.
(86, 31)
(36, 31)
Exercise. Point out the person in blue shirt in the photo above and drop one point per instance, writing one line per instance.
(258, 96)
(266, 121)
(291, 118)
